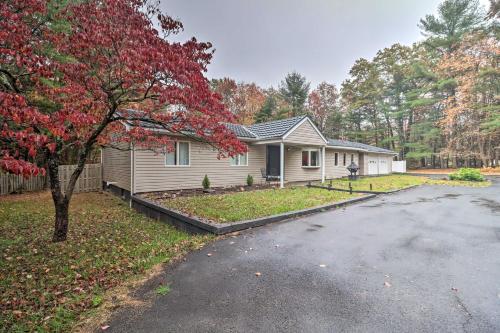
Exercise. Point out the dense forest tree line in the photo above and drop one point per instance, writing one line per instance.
(435, 102)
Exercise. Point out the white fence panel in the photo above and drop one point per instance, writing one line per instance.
(399, 166)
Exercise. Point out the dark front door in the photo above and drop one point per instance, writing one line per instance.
(273, 161)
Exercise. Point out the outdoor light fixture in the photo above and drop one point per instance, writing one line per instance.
(353, 169)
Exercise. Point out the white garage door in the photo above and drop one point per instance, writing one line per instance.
(383, 166)
(372, 166)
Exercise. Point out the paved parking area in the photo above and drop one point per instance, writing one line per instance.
(422, 260)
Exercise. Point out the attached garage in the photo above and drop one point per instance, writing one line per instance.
(372, 160)
(376, 164)
(383, 166)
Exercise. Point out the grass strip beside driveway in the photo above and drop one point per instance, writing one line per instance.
(396, 182)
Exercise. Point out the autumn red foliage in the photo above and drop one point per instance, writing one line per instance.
(68, 73)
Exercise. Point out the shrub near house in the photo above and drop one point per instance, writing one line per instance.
(469, 174)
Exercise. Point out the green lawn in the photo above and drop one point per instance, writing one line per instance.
(47, 287)
(395, 182)
(253, 204)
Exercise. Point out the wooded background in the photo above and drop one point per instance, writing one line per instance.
(435, 102)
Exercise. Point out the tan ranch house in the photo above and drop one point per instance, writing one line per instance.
(289, 150)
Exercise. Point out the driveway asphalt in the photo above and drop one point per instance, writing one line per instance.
(422, 260)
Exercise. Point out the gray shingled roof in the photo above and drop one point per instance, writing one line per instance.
(274, 129)
(240, 131)
(358, 145)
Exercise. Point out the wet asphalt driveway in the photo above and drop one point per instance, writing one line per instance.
(423, 260)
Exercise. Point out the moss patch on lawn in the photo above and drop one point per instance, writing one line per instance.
(253, 204)
(396, 182)
(47, 287)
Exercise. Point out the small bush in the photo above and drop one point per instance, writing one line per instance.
(249, 180)
(467, 174)
(205, 183)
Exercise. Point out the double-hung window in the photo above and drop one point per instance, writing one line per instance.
(310, 158)
(239, 160)
(344, 160)
(179, 156)
(352, 158)
(336, 159)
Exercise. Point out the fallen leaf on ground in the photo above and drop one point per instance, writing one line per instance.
(258, 274)
(105, 327)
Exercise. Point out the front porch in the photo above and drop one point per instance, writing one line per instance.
(292, 163)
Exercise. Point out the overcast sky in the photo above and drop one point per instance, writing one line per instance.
(262, 40)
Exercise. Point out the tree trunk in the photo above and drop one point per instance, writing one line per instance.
(61, 223)
(61, 204)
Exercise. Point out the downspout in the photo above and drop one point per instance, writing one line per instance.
(323, 164)
(102, 170)
(282, 164)
(132, 172)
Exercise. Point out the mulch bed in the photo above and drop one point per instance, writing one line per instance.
(199, 191)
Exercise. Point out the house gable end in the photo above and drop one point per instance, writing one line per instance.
(305, 132)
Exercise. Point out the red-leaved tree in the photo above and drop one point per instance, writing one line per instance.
(69, 72)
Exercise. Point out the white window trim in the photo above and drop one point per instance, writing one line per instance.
(309, 166)
(238, 160)
(176, 143)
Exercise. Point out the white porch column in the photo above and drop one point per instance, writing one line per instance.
(323, 164)
(282, 165)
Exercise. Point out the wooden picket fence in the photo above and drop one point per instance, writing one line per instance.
(90, 180)
(17, 184)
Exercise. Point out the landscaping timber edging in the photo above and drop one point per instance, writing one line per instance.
(196, 225)
(358, 191)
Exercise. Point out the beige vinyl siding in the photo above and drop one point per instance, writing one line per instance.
(151, 174)
(340, 170)
(305, 134)
(362, 167)
(116, 166)
(293, 166)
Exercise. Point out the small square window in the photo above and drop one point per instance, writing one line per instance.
(239, 160)
(170, 158)
(314, 158)
(179, 155)
(244, 159)
(310, 158)
(305, 158)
